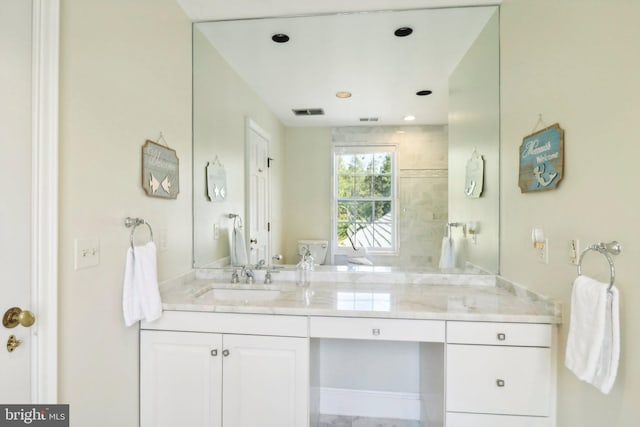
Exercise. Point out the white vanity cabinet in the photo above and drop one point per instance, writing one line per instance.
(224, 370)
(499, 374)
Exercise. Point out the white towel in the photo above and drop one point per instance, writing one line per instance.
(238, 249)
(447, 254)
(593, 345)
(141, 296)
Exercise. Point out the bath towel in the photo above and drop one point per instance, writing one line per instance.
(593, 344)
(141, 296)
(238, 249)
(447, 254)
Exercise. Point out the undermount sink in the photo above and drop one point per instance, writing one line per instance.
(245, 294)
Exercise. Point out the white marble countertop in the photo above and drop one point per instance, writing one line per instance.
(437, 297)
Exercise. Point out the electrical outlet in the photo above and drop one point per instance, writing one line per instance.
(87, 253)
(574, 251)
(216, 231)
(163, 240)
(543, 252)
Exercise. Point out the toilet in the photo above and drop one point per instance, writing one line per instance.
(318, 249)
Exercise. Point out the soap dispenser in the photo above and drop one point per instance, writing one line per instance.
(304, 269)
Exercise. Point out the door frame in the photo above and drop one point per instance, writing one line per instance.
(44, 217)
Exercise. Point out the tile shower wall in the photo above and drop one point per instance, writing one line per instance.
(422, 187)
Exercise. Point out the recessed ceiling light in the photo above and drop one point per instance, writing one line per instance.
(423, 92)
(343, 94)
(280, 38)
(403, 31)
(409, 118)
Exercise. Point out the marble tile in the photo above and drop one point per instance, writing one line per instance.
(334, 421)
(407, 295)
(383, 422)
(346, 421)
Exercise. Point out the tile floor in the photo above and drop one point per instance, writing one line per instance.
(345, 421)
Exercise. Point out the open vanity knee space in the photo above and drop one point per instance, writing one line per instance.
(431, 355)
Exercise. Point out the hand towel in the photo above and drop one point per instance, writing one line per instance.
(593, 344)
(447, 254)
(141, 296)
(238, 249)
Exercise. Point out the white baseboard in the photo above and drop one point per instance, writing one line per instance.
(366, 403)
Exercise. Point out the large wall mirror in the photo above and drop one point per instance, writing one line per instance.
(355, 129)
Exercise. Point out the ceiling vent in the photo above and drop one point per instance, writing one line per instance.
(368, 119)
(308, 112)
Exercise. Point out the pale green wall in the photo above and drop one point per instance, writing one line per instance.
(307, 191)
(125, 76)
(474, 124)
(222, 103)
(578, 64)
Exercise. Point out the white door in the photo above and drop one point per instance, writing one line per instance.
(28, 213)
(258, 193)
(15, 211)
(180, 379)
(265, 381)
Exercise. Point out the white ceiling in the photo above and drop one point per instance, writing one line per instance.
(354, 52)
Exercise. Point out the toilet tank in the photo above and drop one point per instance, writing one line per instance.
(318, 249)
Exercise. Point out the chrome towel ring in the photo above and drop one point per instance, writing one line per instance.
(606, 249)
(135, 222)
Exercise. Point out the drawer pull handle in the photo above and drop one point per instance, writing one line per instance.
(501, 337)
(375, 332)
(214, 352)
(500, 383)
(225, 353)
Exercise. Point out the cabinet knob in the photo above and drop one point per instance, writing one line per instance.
(214, 352)
(501, 337)
(225, 353)
(500, 383)
(375, 332)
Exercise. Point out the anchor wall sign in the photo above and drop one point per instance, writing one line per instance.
(542, 160)
(160, 171)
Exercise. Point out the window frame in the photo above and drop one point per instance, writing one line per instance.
(365, 148)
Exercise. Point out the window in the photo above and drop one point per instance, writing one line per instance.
(364, 198)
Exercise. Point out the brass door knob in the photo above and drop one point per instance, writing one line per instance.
(16, 316)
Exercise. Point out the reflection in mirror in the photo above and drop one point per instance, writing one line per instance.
(352, 83)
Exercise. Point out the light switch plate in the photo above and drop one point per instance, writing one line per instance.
(87, 253)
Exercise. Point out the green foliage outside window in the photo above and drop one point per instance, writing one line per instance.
(364, 194)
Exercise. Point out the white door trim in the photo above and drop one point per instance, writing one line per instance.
(44, 282)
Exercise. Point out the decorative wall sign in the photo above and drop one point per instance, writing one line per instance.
(542, 159)
(474, 176)
(160, 171)
(216, 181)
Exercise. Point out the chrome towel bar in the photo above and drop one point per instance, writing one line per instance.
(135, 222)
(606, 249)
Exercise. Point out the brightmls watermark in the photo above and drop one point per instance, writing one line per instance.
(34, 415)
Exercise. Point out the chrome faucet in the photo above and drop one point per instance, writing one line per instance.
(249, 274)
(234, 277)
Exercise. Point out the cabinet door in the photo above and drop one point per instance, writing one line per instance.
(498, 380)
(265, 381)
(180, 379)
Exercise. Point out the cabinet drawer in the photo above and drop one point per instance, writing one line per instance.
(230, 323)
(484, 420)
(498, 380)
(380, 329)
(496, 333)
